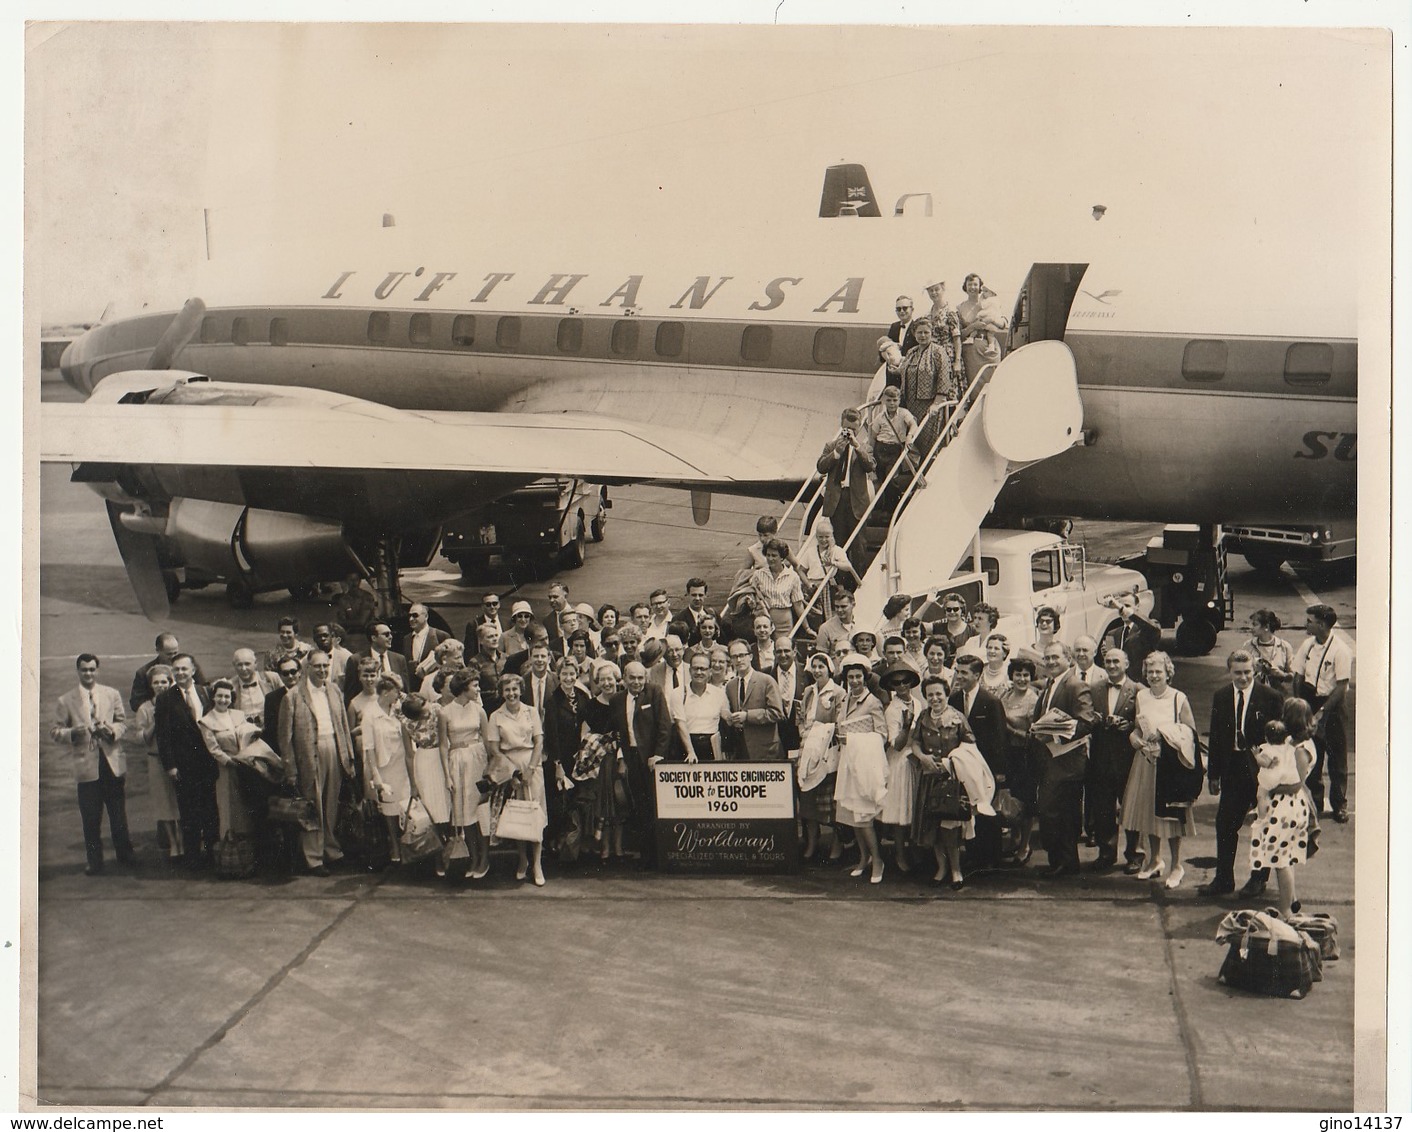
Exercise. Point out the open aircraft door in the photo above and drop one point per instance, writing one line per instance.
(1042, 307)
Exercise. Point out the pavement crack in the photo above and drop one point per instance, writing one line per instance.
(244, 1010)
(1184, 1030)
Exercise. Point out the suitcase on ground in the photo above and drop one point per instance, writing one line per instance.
(235, 857)
(1322, 929)
(1266, 956)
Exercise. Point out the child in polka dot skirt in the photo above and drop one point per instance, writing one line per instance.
(1281, 833)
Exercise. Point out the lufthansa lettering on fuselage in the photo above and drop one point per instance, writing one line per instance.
(842, 297)
(1318, 446)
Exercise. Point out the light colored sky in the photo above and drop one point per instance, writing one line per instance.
(680, 138)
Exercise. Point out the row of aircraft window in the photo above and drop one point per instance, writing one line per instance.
(1204, 360)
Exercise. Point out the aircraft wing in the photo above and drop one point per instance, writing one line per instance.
(372, 437)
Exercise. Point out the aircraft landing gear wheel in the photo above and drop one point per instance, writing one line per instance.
(1196, 636)
(173, 585)
(239, 595)
(576, 551)
(1265, 564)
(595, 528)
(307, 591)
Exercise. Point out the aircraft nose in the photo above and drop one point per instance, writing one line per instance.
(74, 367)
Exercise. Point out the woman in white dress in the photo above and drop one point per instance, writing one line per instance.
(816, 802)
(1157, 704)
(460, 732)
(902, 681)
(358, 706)
(862, 762)
(514, 739)
(387, 755)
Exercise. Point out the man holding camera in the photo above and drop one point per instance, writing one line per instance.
(847, 464)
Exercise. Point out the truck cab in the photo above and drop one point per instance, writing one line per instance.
(1020, 571)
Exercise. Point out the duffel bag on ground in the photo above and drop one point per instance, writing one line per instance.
(1267, 956)
(1322, 929)
(235, 857)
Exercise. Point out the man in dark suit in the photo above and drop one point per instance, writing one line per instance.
(903, 332)
(1064, 760)
(696, 609)
(183, 754)
(168, 648)
(1239, 712)
(380, 635)
(986, 715)
(644, 722)
(1110, 758)
(847, 465)
(419, 645)
(288, 676)
(539, 682)
(1136, 636)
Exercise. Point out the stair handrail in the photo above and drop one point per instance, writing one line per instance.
(948, 433)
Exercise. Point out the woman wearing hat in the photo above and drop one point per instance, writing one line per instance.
(939, 730)
(515, 639)
(818, 761)
(900, 680)
(862, 762)
(865, 645)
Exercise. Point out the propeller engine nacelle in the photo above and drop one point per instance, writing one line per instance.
(249, 548)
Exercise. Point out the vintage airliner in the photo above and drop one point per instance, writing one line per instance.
(347, 405)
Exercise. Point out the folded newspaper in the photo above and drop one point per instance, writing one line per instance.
(1055, 726)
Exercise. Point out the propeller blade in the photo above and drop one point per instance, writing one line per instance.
(144, 571)
(178, 334)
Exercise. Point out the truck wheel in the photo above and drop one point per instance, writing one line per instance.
(1265, 563)
(239, 595)
(1196, 636)
(575, 551)
(595, 528)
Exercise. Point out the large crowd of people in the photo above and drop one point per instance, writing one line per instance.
(538, 730)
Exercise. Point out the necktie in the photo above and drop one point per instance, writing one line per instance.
(1240, 717)
(740, 694)
(847, 466)
(676, 678)
(87, 707)
(194, 702)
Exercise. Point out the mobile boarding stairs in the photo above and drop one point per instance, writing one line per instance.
(1024, 409)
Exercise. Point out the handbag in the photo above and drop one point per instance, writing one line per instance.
(455, 849)
(1178, 785)
(295, 810)
(235, 857)
(419, 838)
(942, 797)
(520, 820)
(1009, 809)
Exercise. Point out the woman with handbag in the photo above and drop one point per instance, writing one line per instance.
(225, 730)
(387, 755)
(514, 738)
(606, 797)
(818, 761)
(460, 731)
(936, 815)
(861, 730)
(143, 735)
(1158, 704)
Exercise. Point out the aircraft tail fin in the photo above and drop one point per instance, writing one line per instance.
(848, 192)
